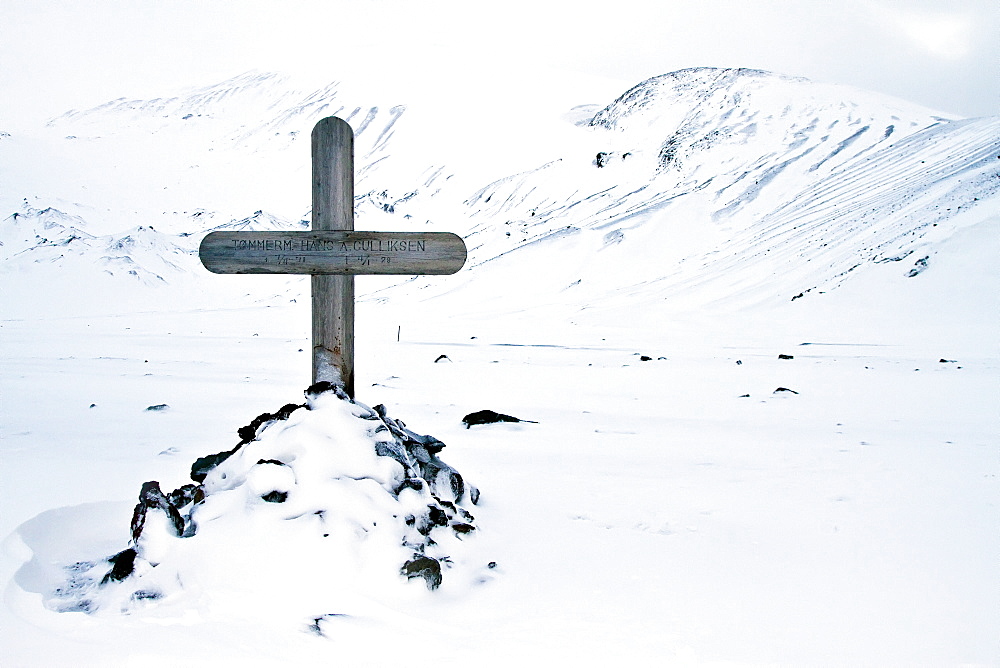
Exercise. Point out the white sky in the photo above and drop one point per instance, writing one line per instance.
(61, 54)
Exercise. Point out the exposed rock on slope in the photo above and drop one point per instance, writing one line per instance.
(40, 237)
(735, 184)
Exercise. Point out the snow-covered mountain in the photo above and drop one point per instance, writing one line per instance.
(221, 152)
(694, 187)
(739, 184)
(50, 237)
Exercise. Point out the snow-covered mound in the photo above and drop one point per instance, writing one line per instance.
(330, 500)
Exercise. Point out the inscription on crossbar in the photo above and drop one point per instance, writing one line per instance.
(333, 252)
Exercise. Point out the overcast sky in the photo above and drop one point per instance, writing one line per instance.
(62, 54)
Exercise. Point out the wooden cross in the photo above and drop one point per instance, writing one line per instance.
(332, 252)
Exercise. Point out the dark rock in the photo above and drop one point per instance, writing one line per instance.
(270, 461)
(442, 358)
(786, 357)
(437, 516)
(432, 445)
(645, 358)
(449, 506)
(145, 595)
(315, 626)
(784, 389)
(489, 417)
(319, 388)
(157, 407)
(462, 528)
(151, 497)
(275, 496)
(249, 432)
(918, 267)
(202, 465)
(425, 567)
(410, 483)
(186, 494)
(412, 449)
(122, 565)
(324, 386)
(944, 361)
(456, 482)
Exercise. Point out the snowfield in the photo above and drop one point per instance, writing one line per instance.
(754, 320)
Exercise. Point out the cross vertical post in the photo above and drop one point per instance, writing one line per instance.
(332, 294)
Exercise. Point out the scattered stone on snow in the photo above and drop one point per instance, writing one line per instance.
(784, 389)
(918, 267)
(157, 407)
(489, 417)
(316, 626)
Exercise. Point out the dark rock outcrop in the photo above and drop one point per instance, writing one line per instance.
(489, 417)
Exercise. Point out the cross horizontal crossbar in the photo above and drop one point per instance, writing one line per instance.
(332, 252)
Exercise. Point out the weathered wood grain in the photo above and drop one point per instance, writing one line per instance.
(333, 252)
(333, 296)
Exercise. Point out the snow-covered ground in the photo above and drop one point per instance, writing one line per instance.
(686, 496)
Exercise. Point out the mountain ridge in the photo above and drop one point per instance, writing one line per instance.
(737, 176)
(868, 181)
